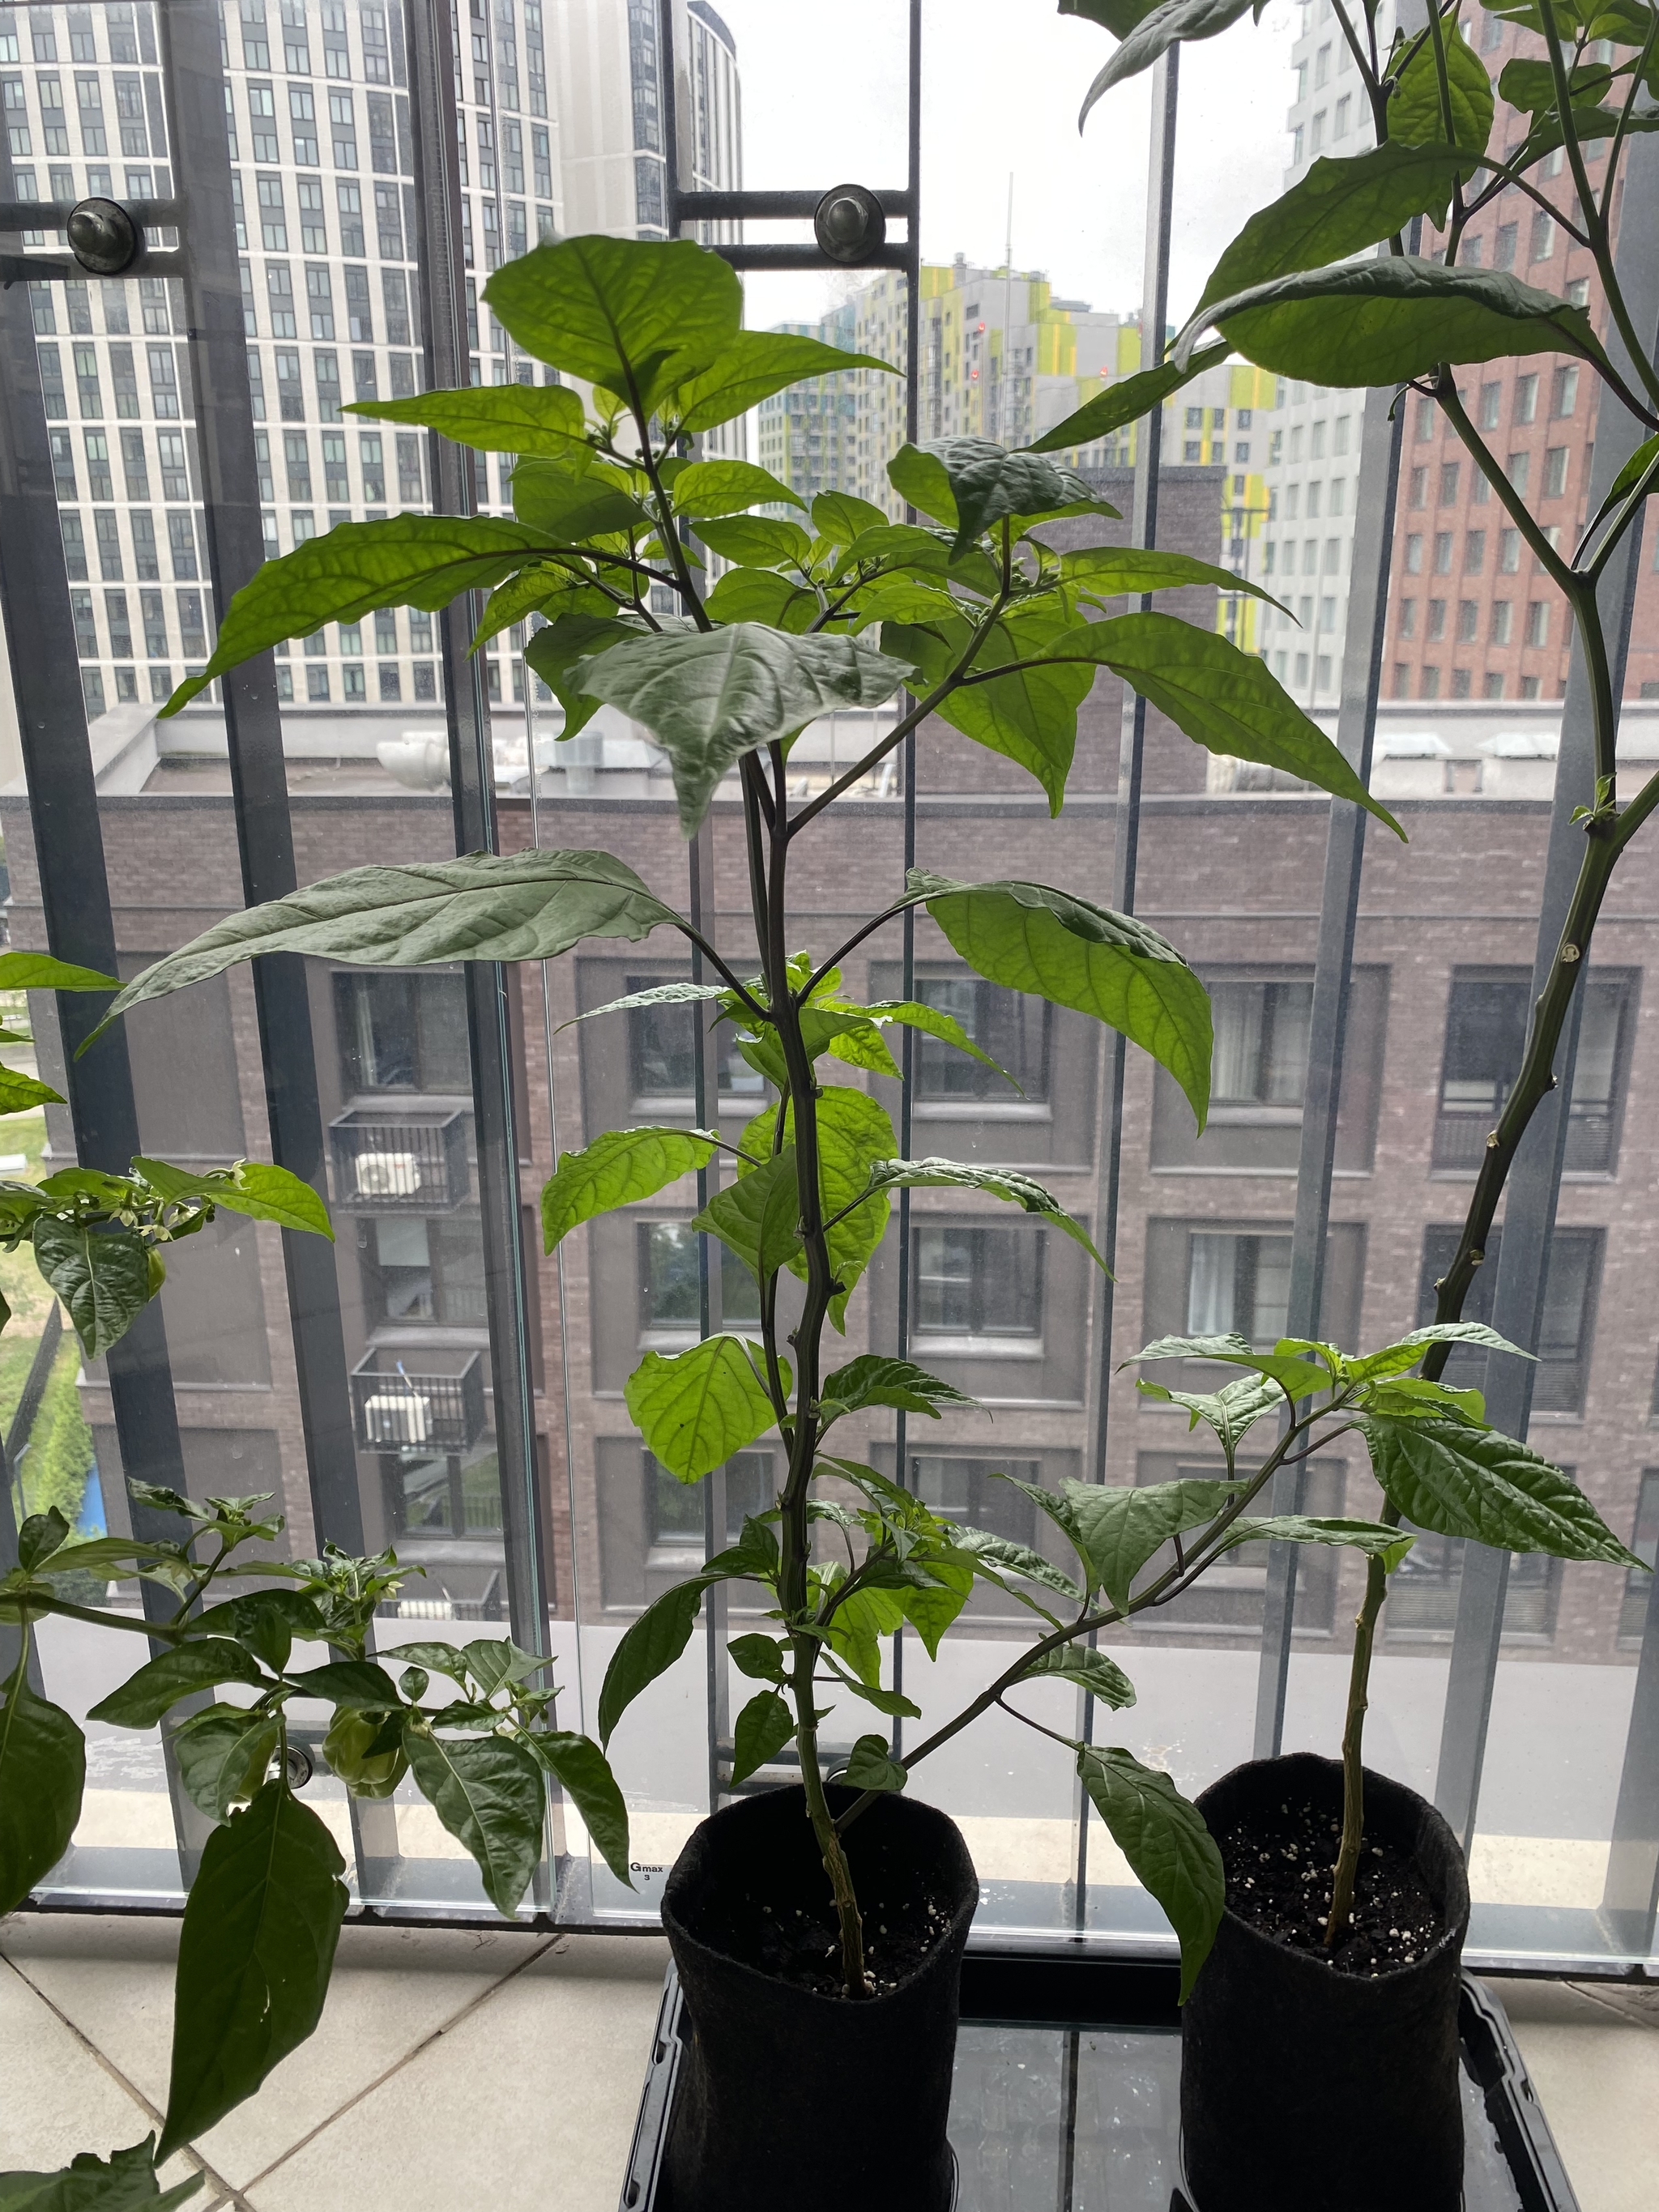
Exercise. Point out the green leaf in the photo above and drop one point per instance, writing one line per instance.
(757, 539)
(1123, 1528)
(254, 1188)
(763, 1727)
(1458, 1481)
(694, 1408)
(41, 1535)
(1530, 85)
(649, 1647)
(157, 1686)
(1228, 701)
(1626, 483)
(659, 994)
(758, 1215)
(223, 1754)
(872, 1380)
(1231, 1411)
(43, 1771)
(933, 1021)
(972, 484)
(500, 418)
(489, 1793)
(843, 518)
(1011, 1558)
(1375, 1538)
(19, 1093)
(723, 487)
(125, 2183)
(1007, 1183)
(1392, 318)
(1413, 1397)
(872, 1765)
(636, 317)
(266, 1621)
(493, 1660)
(1101, 1677)
(1074, 953)
(1175, 23)
(854, 1130)
(1339, 208)
(1459, 1331)
(616, 1169)
(435, 1658)
(481, 906)
(255, 1954)
(1125, 401)
(760, 595)
(1415, 115)
(568, 641)
(708, 697)
(584, 1772)
(931, 1608)
(1108, 572)
(858, 1625)
(1170, 1851)
(348, 1682)
(1028, 714)
(567, 506)
(755, 365)
(408, 559)
(762, 1658)
(1118, 16)
(102, 1275)
(1298, 1378)
(39, 971)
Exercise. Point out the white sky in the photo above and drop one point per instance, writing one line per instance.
(824, 85)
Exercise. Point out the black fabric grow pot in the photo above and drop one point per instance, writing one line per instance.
(788, 2097)
(1304, 2087)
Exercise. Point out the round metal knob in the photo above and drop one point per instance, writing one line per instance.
(849, 223)
(299, 1766)
(103, 237)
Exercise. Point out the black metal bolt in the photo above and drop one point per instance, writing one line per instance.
(103, 237)
(849, 223)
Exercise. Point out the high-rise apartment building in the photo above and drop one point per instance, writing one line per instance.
(1001, 358)
(557, 110)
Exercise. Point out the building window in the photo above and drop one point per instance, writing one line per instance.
(1424, 1591)
(402, 1032)
(1013, 1028)
(976, 1283)
(674, 1511)
(1474, 552)
(1468, 617)
(1449, 471)
(423, 1271)
(1237, 1285)
(1538, 621)
(1563, 396)
(1555, 471)
(971, 1492)
(1486, 1036)
(670, 1281)
(1571, 1279)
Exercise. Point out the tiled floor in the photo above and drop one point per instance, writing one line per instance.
(502, 2070)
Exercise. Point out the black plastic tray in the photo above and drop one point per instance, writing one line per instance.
(1066, 2094)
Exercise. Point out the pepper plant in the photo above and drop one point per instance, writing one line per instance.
(1328, 285)
(988, 625)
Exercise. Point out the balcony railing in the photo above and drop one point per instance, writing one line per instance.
(397, 1408)
(402, 1163)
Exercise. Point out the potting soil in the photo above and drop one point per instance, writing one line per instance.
(1279, 1872)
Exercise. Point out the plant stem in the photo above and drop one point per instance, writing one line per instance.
(854, 1979)
(1353, 1772)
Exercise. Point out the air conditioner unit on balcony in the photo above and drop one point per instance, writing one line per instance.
(387, 1174)
(401, 1417)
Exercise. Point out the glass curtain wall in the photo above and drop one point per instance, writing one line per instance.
(435, 1384)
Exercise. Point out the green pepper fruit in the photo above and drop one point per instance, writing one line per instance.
(366, 1754)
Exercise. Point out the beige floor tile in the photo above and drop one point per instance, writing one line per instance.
(526, 2105)
(1597, 2071)
(60, 2099)
(392, 1989)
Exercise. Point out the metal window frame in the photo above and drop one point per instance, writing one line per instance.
(35, 598)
